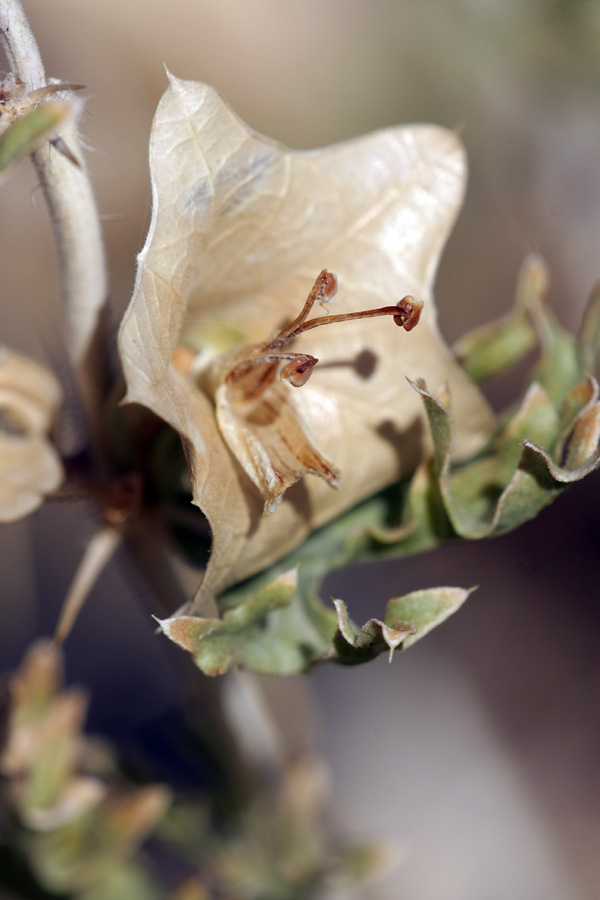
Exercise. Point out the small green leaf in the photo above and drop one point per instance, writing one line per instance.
(493, 348)
(353, 645)
(560, 367)
(426, 609)
(248, 635)
(29, 130)
(564, 362)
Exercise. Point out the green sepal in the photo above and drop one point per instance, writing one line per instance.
(565, 360)
(493, 348)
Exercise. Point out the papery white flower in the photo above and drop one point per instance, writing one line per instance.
(241, 227)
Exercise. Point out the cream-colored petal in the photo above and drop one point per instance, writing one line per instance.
(29, 465)
(29, 469)
(32, 389)
(271, 442)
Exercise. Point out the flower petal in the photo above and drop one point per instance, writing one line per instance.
(271, 442)
(29, 464)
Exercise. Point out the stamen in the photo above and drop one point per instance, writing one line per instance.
(324, 288)
(409, 312)
(406, 314)
(257, 370)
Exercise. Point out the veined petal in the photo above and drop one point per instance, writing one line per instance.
(271, 441)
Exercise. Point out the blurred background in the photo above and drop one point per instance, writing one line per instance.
(477, 753)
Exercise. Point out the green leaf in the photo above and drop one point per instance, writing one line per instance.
(354, 645)
(518, 477)
(426, 609)
(560, 367)
(407, 620)
(256, 633)
(493, 348)
(29, 130)
(565, 360)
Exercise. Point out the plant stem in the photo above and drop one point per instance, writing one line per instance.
(75, 224)
(97, 554)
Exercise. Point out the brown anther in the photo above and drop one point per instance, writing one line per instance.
(298, 370)
(324, 288)
(409, 312)
(328, 285)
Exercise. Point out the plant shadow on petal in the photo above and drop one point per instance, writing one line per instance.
(364, 364)
(408, 443)
(297, 496)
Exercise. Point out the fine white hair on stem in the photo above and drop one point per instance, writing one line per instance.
(75, 222)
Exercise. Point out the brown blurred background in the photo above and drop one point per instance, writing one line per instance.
(477, 753)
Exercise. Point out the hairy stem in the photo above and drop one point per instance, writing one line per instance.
(75, 224)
